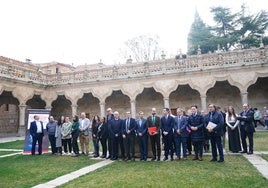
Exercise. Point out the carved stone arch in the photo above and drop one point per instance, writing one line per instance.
(165, 87)
(49, 96)
(203, 84)
(71, 95)
(35, 92)
(23, 94)
(242, 80)
(102, 92)
(254, 80)
(89, 90)
(128, 90)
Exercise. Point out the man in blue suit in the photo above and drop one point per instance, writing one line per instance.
(128, 134)
(37, 133)
(167, 124)
(142, 134)
(180, 134)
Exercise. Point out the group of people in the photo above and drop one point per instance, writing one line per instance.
(177, 134)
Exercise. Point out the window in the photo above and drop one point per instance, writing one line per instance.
(57, 70)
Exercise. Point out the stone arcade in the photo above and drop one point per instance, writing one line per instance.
(224, 78)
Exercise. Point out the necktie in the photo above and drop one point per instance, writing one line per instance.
(140, 122)
(127, 123)
(210, 116)
(153, 120)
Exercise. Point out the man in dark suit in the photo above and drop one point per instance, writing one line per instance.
(214, 116)
(115, 130)
(246, 128)
(167, 125)
(180, 134)
(142, 135)
(109, 118)
(37, 133)
(154, 121)
(128, 134)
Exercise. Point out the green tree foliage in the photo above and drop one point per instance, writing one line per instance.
(199, 35)
(230, 29)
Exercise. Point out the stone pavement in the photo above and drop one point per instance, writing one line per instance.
(259, 163)
(11, 139)
(73, 175)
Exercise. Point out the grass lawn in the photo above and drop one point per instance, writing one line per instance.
(18, 144)
(27, 171)
(260, 141)
(264, 157)
(236, 171)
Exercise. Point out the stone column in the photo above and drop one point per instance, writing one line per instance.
(133, 108)
(22, 128)
(102, 109)
(166, 102)
(244, 97)
(74, 110)
(203, 102)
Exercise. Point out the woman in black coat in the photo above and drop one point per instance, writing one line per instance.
(103, 136)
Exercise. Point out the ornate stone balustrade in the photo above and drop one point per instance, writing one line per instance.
(135, 70)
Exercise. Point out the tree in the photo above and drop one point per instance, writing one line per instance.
(143, 48)
(224, 30)
(199, 35)
(229, 30)
(252, 28)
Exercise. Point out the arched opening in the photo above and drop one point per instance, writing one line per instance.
(88, 104)
(118, 102)
(36, 103)
(9, 114)
(61, 107)
(184, 97)
(149, 99)
(258, 93)
(223, 94)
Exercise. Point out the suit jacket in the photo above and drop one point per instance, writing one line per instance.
(157, 122)
(115, 128)
(86, 126)
(132, 127)
(246, 122)
(197, 121)
(218, 119)
(167, 125)
(33, 128)
(103, 133)
(141, 128)
(180, 125)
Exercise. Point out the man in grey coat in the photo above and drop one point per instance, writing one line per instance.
(84, 133)
(51, 129)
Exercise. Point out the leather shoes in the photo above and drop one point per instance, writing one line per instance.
(243, 152)
(200, 159)
(220, 161)
(195, 158)
(213, 160)
(153, 159)
(158, 159)
(250, 153)
(165, 159)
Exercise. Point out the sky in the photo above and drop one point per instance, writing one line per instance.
(80, 32)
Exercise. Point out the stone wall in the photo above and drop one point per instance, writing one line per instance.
(9, 119)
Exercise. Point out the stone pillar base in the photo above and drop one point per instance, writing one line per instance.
(21, 131)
